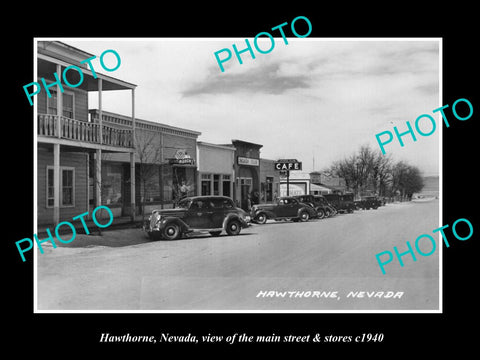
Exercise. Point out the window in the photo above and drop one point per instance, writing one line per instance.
(68, 104)
(226, 188)
(67, 187)
(216, 182)
(205, 184)
(50, 191)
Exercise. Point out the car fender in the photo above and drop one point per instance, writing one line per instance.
(168, 220)
(311, 211)
(233, 217)
(270, 214)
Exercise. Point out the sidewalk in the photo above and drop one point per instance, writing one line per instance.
(124, 222)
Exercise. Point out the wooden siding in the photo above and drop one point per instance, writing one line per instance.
(81, 102)
(68, 159)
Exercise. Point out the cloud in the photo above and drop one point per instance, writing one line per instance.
(271, 78)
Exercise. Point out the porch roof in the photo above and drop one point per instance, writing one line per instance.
(56, 53)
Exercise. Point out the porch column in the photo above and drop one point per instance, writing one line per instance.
(100, 126)
(56, 154)
(98, 178)
(59, 104)
(132, 161)
(56, 184)
(132, 185)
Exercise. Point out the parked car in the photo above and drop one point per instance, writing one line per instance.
(284, 208)
(333, 200)
(346, 203)
(212, 214)
(319, 203)
(368, 202)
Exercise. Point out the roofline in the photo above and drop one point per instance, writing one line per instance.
(219, 146)
(54, 60)
(246, 142)
(147, 122)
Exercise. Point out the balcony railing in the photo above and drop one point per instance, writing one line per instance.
(84, 131)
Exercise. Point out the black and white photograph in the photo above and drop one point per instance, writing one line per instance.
(228, 180)
(249, 182)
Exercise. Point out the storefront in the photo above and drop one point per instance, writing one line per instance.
(165, 167)
(215, 169)
(297, 184)
(269, 181)
(247, 173)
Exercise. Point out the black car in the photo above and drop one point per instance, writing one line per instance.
(284, 208)
(346, 203)
(368, 202)
(319, 203)
(211, 214)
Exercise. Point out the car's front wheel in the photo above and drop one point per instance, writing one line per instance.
(261, 218)
(171, 231)
(304, 216)
(320, 213)
(233, 227)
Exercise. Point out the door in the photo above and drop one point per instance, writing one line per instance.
(287, 208)
(245, 190)
(200, 215)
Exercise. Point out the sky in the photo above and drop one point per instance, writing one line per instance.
(316, 100)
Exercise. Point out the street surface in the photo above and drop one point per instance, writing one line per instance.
(123, 270)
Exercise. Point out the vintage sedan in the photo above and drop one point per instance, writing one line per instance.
(284, 208)
(368, 202)
(319, 203)
(212, 214)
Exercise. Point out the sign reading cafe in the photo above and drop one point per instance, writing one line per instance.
(288, 164)
(182, 158)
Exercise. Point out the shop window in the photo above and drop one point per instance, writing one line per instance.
(183, 182)
(205, 187)
(226, 188)
(112, 175)
(216, 184)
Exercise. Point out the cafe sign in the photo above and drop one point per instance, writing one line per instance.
(288, 164)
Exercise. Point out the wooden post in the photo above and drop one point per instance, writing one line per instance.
(100, 114)
(98, 178)
(56, 184)
(132, 160)
(56, 155)
(59, 104)
(132, 185)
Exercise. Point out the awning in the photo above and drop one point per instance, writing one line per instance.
(315, 187)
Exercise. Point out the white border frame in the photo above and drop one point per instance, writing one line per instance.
(440, 103)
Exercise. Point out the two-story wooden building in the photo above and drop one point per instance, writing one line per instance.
(68, 140)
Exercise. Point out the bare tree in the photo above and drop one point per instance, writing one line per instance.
(371, 171)
(148, 151)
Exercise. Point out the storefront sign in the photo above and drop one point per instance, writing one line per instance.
(248, 161)
(288, 164)
(182, 158)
